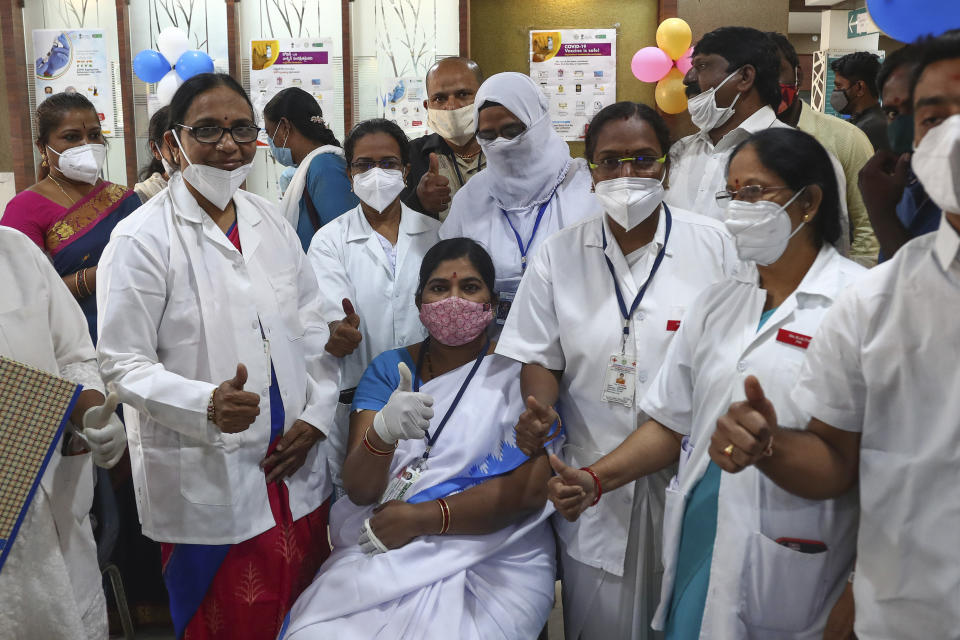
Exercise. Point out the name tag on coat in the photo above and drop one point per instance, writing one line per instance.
(793, 338)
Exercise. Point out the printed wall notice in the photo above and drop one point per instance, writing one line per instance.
(75, 60)
(577, 70)
(401, 100)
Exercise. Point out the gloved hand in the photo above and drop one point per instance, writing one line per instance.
(104, 433)
(406, 415)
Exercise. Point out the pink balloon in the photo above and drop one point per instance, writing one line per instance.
(685, 62)
(650, 64)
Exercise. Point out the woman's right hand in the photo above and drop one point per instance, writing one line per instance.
(345, 334)
(407, 414)
(571, 491)
(235, 409)
(533, 426)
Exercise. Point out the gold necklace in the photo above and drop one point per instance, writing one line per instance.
(469, 155)
(62, 190)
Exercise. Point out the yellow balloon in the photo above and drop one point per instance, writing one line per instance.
(674, 37)
(670, 93)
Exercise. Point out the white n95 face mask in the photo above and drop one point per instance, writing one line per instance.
(455, 125)
(216, 185)
(378, 187)
(937, 164)
(82, 163)
(703, 109)
(761, 230)
(629, 200)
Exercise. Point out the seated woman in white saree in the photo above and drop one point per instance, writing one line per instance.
(445, 532)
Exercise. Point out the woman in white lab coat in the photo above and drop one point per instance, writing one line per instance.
(592, 321)
(50, 585)
(530, 188)
(367, 261)
(213, 336)
(773, 563)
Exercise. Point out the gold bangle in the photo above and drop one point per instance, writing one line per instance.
(76, 283)
(444, 515)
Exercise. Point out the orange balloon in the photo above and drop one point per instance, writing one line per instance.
(674, 36)
(670, 93)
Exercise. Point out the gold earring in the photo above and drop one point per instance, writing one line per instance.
(44, 162)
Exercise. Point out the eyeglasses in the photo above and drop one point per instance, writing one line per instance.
(749, 193)
(645, 164)
(508, 132)
(387, 164)
(211, 135)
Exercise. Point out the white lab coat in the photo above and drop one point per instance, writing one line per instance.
(50, 586)
(350, 262)
(566, 318)
(758, 588)
(179, 308)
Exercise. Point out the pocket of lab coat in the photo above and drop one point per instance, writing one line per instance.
(205, 474)
(782, 589)
(285, 289)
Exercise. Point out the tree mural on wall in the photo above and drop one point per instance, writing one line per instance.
(291, 14)
(183, 14)
(410, 48)
(73, 12)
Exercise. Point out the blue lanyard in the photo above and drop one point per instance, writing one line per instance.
(643, 289)
(431, 440)
(536, 225)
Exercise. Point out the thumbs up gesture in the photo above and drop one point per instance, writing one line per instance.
(235, 409)
(434, 189)
(744, 436)
(571, 491)
(104, 433)
(345, 334)
(533, 426)
(407, 413)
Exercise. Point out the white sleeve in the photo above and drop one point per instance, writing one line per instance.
(831, 386)
(452, 226)
(131, 298)
(532, 331)
(331, 274)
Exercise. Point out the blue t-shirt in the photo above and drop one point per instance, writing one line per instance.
(916, 211)
(329, 190)
(381, 379)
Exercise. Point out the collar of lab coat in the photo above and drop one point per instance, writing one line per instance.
(185, 206)
(822, 279)
(947, 243)
(411, 223)
(762, 118)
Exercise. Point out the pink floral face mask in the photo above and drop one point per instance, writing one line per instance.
(455, 321)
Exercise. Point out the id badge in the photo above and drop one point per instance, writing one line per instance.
(401, 483)
(620, 380)
(506, 292)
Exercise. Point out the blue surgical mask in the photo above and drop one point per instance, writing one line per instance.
(281, 154)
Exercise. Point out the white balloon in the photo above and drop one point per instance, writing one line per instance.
(168, 86)
(172, 42)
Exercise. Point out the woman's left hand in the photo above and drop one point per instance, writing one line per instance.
(394, 524)
(291, 451)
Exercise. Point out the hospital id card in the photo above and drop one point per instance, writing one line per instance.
(620, 380)
(401, 483)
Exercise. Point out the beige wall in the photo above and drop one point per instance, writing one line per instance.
(704, 16)
(6, 159)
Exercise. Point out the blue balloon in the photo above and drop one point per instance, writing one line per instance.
(150, 65)
(193, 62)
(907, 20)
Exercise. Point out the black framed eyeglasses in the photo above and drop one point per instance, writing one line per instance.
(749, 193)
(243, 134)
(387, 164)
(646, 164)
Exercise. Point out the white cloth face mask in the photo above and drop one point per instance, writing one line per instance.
(936, 162)
(629, 200)
(216, 185)
(703, 109)
(455, 125)
(378, 187)
(761, 230)
(82, 163)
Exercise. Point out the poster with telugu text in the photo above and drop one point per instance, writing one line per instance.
(577, 70)
(75, 60)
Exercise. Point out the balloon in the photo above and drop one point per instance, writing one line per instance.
(193, 62)
(172, 42)
(907, 20)
(650, 64)
(685, 62)
(674, 37)
(670, 93)
(150, 65)
(167, 87)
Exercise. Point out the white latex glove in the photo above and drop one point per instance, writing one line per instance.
(407, 414)
(104, 433)
(369, 543)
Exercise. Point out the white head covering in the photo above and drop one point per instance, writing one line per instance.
(525, 171)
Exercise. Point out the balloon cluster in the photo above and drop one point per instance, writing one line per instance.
(172, 64)
(666, 64)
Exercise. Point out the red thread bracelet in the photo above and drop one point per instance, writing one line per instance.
(596, 483)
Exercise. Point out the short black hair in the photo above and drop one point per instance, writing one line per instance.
(741, 46)
(905, 55)
(786, 48)
(51, 111)
(159, 124)
(452, 249)
(201, 83)
(799, 160)
(303, 112)
(623, 111)
(465, 61)
(859, 66)
(943, 47)
(377, 125)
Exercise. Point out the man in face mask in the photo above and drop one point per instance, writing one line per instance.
(443, 161)
(899, 207)
(846, 142)
(855, 94)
